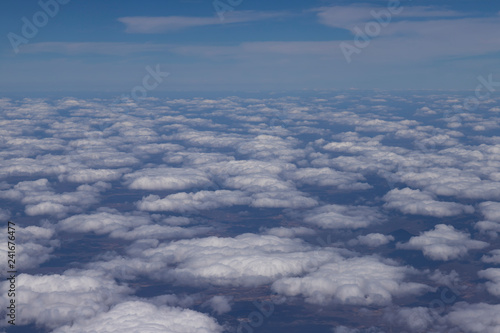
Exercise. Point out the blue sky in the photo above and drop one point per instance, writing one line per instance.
(106, 46)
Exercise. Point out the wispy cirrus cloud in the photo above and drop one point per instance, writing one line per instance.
(162, 24)
(104, 48)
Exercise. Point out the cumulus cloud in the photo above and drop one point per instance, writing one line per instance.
(418, 319)
(128, 226)
(245, 260)
(371, 240)
(329, 177)
(40, 198)
(356, 281)
(55, 300)
(474, 318)
(338, 217)
(220, 304)
(166, 179)
(491, 211)
(33, 246)
(92, 175)
(444, 242)
(492, 274)
(140, 316)
(290, 232)
(416, 202)
(493, 257)
(202, 200)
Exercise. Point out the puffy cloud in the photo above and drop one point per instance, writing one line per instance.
(33, 246)
(329, 177)
(40, 198)
(493, 257)
(246, 260)
(443, 243)
(338, 217)
(92, 175)
(372, 240)
(416, 202)
(492, 274)
(453, 182)
(54, 300)
(268, 147)
(290, 232)
(220, 304)
(127, 226)
(166, 179)
(139, 316)
(474, 318)
(418, 319)
(202, 200)
(356, 281)
(490, 210)
(282, 199)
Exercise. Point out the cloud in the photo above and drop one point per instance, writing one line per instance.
(371, 240)
(474, 318)
(329, 177)
(128, 226)
(151, 25)
(443, 243)
(92, 175)
(104, 48)
(54, 300)
(220, 304)
(492, 274)
(339, 217)
(33, 246)
(140, 316)
(166, 179)
(416, 202)
(348, 16)
(40, 198)
(289, 232)
(184, 202)
(417, 319)
(355, 281)
(245, 260)
(493, 257)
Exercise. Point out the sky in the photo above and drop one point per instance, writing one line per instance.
(249, 166)
(242, 45)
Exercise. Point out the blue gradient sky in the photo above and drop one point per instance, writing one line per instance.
(105, 46)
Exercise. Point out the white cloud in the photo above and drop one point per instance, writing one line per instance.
(33, 246)
(148, 25)
(202, 200)
(166, 179)
(246, 260)
(416, 202)
(40, 198)
(220, 304)
(492, 274)
(54, 300)
(474, 318)
(339, 217)
(139, 316)
(356, 281)
(371, 240)
(443, 243)
(493, 257)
